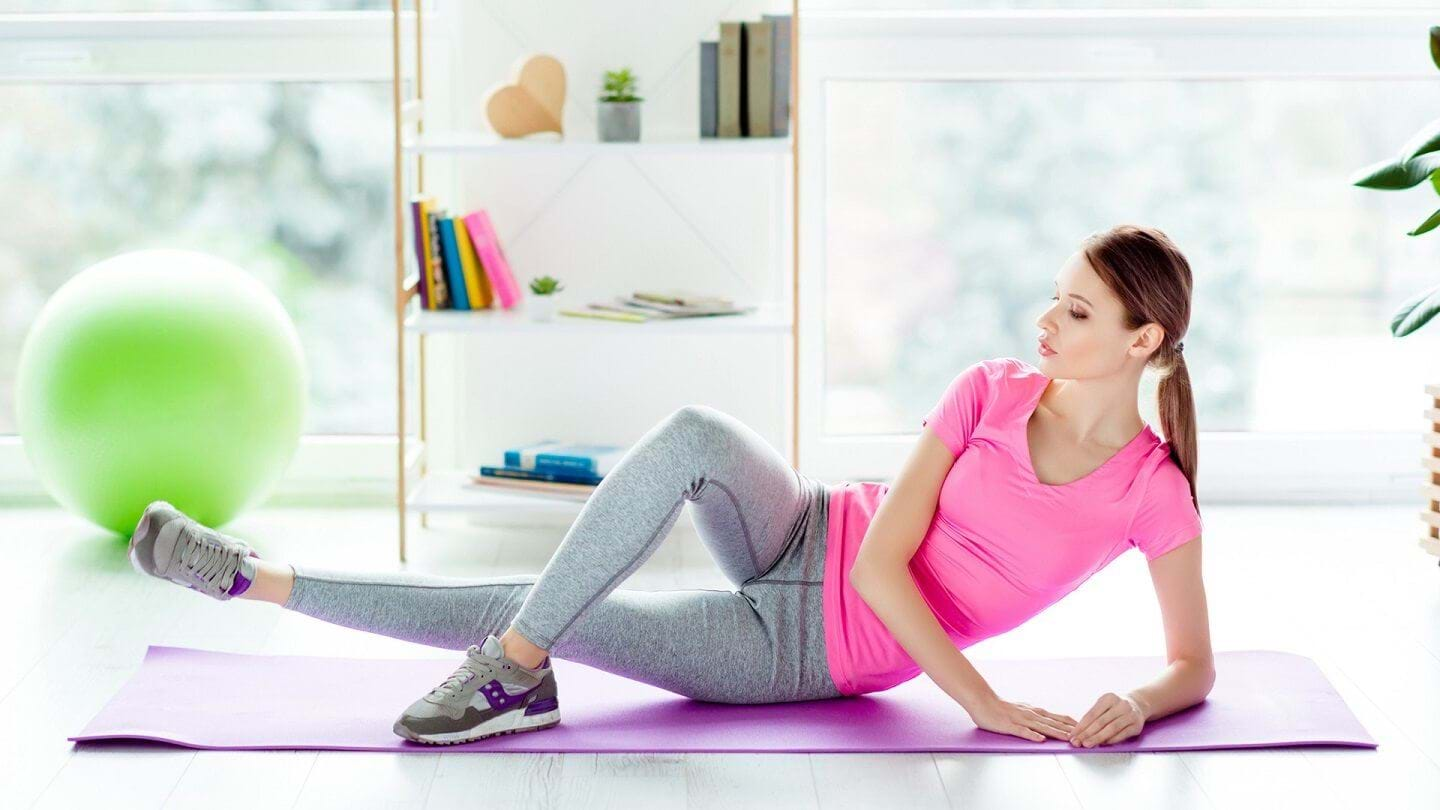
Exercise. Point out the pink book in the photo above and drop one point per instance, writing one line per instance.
(492, 256)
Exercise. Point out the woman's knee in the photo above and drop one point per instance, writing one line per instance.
(700, 425)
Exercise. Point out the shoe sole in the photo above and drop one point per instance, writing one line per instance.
(534, 722)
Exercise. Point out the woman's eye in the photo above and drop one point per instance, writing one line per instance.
(1076, 315)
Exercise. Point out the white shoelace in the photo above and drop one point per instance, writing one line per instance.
(466, 672)
(209, 559)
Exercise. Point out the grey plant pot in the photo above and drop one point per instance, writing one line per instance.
(619, 120)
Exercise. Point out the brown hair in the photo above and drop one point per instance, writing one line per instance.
(1153, 281)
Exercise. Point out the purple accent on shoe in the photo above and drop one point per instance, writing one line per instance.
(497, 697)
(540, 706)
(241, 585)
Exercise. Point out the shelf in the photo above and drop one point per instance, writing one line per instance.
(446, 491)
(482, 143)
(765, 319)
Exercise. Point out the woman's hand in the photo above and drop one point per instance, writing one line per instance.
(1022, 720)
(1113, 718)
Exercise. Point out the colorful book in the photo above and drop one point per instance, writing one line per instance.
(476, 286)
(492, 257)
(421, 237)
(454, 274)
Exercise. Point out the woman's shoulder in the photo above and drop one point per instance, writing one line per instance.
(1006, 369)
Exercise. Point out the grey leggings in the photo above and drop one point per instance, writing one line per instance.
(763, 521)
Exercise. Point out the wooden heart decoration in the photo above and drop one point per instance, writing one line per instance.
(532, 101)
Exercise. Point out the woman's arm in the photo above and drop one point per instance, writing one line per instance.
(1190, 672)
(881, 575)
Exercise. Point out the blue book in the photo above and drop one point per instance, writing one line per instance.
(535, 475)
(550, 455)
(522, 457)
(453, 273)
(595, 459)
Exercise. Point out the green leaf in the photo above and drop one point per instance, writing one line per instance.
(1415, 313)
(1435, 45)
(1426, 140)
(1429, 224)
(1392, 175)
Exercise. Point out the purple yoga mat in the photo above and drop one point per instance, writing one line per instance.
(218, 700)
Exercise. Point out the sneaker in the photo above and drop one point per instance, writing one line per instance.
(171, 545)
(488, 695)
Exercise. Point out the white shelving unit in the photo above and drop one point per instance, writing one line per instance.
(423, 490)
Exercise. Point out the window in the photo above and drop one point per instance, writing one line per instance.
(959, 158)
(258, 130)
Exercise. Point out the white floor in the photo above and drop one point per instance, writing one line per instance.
(1346, 586)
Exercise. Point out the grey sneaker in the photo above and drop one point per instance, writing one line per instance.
(488, 695)
(171, 545)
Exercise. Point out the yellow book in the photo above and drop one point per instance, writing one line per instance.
(477, 288)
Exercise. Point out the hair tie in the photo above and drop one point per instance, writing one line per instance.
(1180, 347)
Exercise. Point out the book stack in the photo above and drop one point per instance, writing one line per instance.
(643, 305)
(461, 264)
(551, 469)
(745, 79)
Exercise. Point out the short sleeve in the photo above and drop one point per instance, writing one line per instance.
(1166, 518)
(955, 416)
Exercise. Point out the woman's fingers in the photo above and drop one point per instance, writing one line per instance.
(1041, 722)
(1098, 722)
(1105, 730)
(1028, 733)
(1065, 718)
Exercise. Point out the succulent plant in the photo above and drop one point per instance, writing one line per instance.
(545, 285)
(619, 86)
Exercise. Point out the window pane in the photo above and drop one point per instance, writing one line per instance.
(291, 181)
(951, 206)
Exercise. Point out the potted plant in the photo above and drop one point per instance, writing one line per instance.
(1418, 161)
(619, 107)
(541, 305)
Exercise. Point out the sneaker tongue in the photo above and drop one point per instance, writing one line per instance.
(492, 647)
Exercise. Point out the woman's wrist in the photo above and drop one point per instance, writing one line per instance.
(1140, 701)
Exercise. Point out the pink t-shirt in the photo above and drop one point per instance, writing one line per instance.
(1002, 546)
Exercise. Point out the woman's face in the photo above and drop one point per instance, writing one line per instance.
(1083, 326)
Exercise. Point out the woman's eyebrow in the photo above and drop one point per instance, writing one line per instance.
(1073, 295)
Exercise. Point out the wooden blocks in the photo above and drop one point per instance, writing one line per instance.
(1431, 491)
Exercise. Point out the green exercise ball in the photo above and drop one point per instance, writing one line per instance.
(160, 375)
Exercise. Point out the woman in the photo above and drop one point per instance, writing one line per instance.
(1025, 481)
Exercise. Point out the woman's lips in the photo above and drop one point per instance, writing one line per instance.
(1045, 350)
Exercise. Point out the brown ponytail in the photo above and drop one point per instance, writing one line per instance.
(1153, 281)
